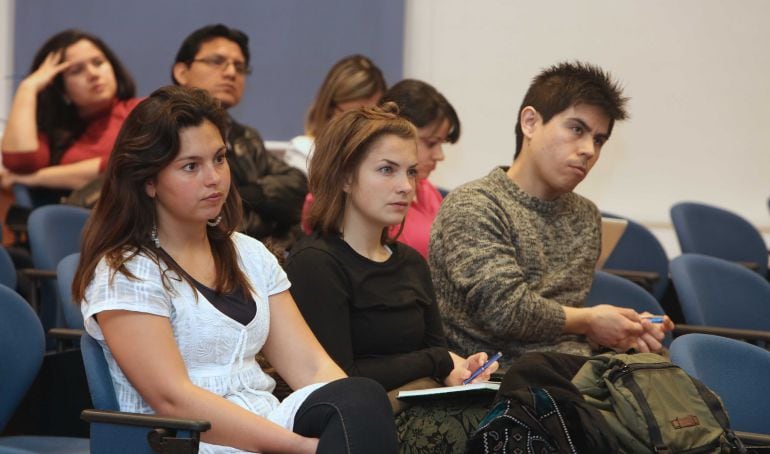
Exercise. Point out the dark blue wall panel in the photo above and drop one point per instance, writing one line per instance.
(293, 43)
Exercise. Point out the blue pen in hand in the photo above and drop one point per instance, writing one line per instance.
(484, 367)
(654, 318)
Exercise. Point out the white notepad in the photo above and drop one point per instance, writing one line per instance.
(483, 388)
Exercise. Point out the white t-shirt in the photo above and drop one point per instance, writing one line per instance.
(299, 152)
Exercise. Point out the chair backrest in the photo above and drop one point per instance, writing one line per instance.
(610, 289)
(65, 273)
(717, 292)
(22, 345)
(7, 269)
(708, 230)
(54, 232)
(98, 374)
(639, 250)
(735, 370)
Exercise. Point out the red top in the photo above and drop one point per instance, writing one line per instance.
(419, 217)
(95, 142)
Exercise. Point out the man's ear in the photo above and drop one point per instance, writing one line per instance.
(149, 188)
(179, 71)
(529, 119)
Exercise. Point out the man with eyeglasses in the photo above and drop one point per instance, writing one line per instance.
(216, 58)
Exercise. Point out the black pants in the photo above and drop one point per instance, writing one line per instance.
(348, 416)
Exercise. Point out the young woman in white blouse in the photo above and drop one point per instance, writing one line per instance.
(181, 304)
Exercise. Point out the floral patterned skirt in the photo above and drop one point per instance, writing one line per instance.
(441, 425)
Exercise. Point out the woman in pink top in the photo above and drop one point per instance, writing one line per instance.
(437, 123)
(66, 114)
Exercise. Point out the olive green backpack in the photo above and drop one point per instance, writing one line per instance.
(653, 406)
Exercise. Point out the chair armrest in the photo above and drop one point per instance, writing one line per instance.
(142, 420)
(644, 278)
(37, 273)
(753, 439)
(66, 338)
(114, 432)
(68, 334)
(733, 333)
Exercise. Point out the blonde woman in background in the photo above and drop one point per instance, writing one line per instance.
(352, 82)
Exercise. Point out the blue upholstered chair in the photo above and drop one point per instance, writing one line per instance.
(639, 250)
(708, 230)
(54, 232)
(735, 370)
(115, 432)
(610, 289)
(22, 346)
(729, 298)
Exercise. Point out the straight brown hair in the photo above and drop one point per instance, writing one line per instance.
(339, 150)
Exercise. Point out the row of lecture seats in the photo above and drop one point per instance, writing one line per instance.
(716, 296)
(736, 370)
(724, 296)
(700, 228)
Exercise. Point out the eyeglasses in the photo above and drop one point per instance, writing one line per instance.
(221, 63)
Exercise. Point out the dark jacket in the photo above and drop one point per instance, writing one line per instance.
(273, 192)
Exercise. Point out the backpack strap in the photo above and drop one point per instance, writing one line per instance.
(656, 437)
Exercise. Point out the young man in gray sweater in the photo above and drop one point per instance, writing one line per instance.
(513, 254)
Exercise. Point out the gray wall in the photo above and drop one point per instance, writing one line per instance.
(293, 43)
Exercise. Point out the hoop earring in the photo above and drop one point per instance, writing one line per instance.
(215, 222)
(154, 236)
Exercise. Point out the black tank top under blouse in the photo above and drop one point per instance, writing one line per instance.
(237, 304)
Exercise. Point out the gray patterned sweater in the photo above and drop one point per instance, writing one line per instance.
(504, 263)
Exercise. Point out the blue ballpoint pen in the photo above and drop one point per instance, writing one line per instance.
(484, 367)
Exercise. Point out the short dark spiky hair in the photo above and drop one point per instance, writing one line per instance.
(567, 84)
(192, 44)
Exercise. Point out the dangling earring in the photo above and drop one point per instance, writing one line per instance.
(154, 236)
(215, 222)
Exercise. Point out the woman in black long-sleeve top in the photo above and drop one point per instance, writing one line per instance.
(368, 299)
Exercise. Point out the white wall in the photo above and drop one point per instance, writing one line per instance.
(6, 59)
(698, 73)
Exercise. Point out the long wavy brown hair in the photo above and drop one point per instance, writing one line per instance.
(339, 150)
(121, 223)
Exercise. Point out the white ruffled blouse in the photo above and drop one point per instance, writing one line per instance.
(219, 352)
